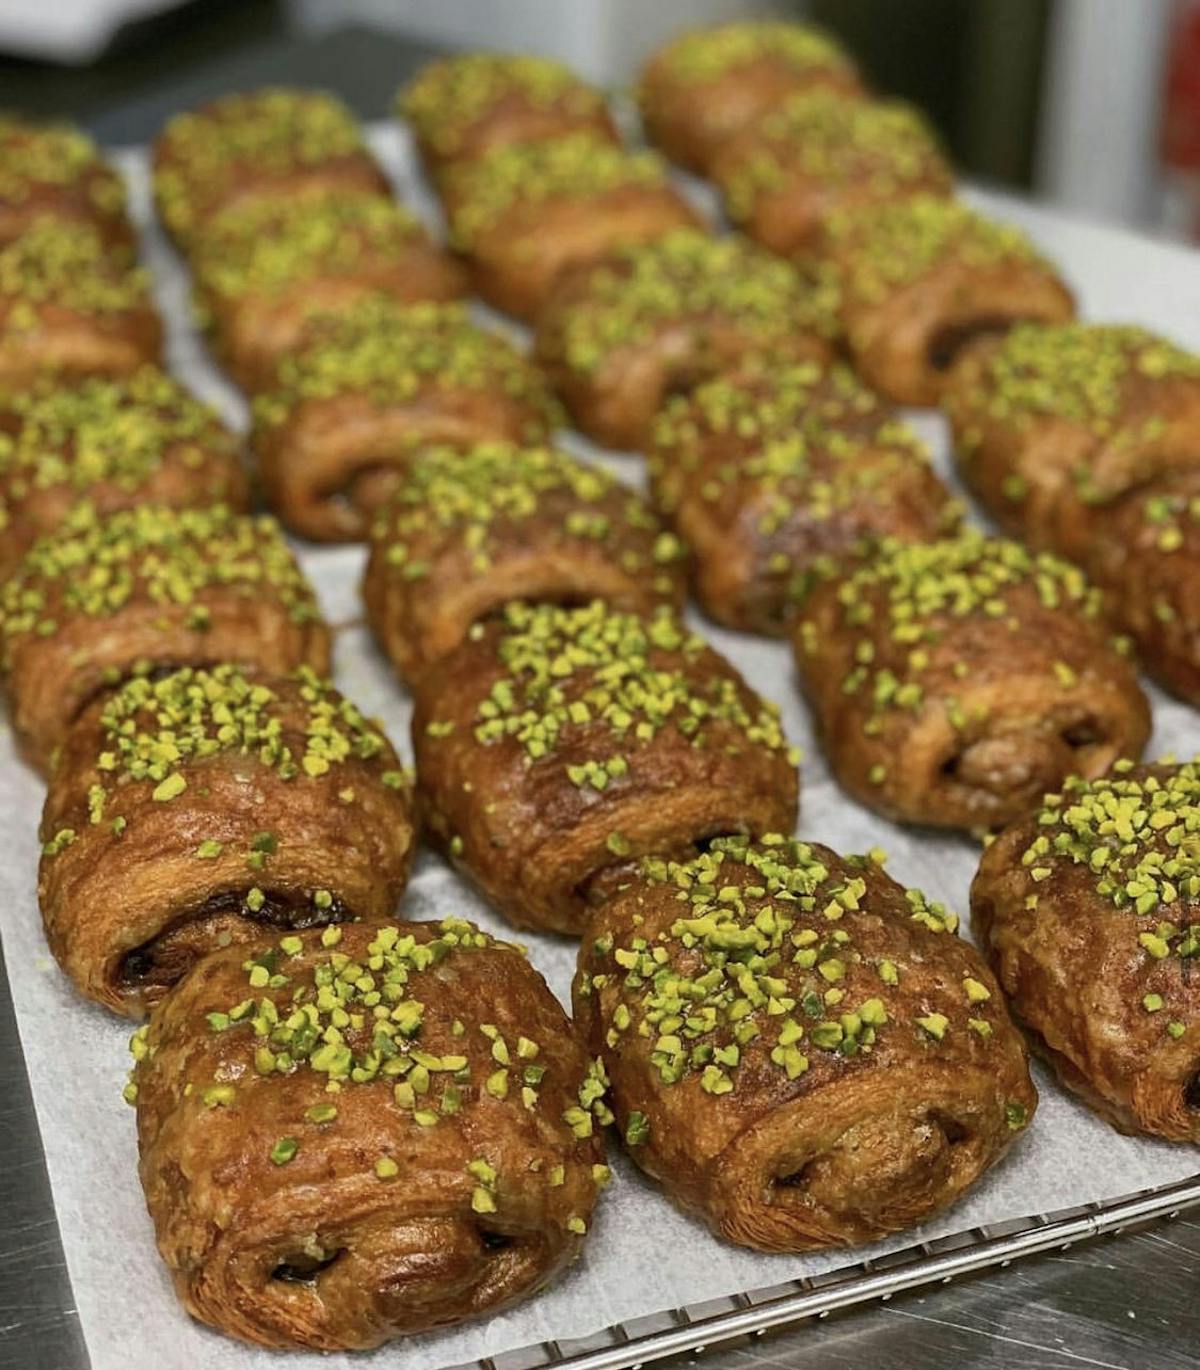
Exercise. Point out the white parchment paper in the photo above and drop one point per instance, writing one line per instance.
(642, 1256)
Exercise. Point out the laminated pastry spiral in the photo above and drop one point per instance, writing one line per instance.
(187, 811)
(370, 386)
(55, 170)
(1085, 438)
(364, 1132)
(800, 1050)
(142, 591)
(523, 215)
(468, 531)
(818, 152)
(658, 318)
(270, 141)
(265, 266)
(775, 473)
(68, 307)
(956, 682)
(708, 84)
(114, 444)
(925, 278)
(556, 746)
(1090, 913)
(470, 104)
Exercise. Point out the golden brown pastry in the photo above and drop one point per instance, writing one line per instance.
(556, 746)
(658, 318)
(1145, 555)
(775, 473)
(142, 591)
(923, 279)
(955, 682)
(1085, 438)
(1090, 912)
(800, 1050)
(818, 153)
(186, 811)
(708, 84)
(57, 171)
(365, 1132)
(472, 103)
(265, 266)
(469, 530)
(114, 443)
(69, 307)
(273, 141)
(523, 215)
(370, 386)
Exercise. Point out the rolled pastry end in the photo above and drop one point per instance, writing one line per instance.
(322, 1174)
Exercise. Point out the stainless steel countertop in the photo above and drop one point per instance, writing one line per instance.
(1121, 1303)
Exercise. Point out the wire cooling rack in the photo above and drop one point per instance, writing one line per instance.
(741, 1318)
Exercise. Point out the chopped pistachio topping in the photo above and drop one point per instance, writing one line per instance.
(272, 244)
(95, 566)
(1136, 834)
(284, 1150)
(764, 948)
(483, 500)
(818, 135)
(706, 54)
(889, 246)
(580, 166)
(67, 264)
(907, 595)
(394, 353)
(447, 99)
(37, 155)
(270, 132)
(685, 275)
(806, 444)
(153, 728)
(101, 431)
(614, 677)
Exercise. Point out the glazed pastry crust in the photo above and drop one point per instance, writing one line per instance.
(150, 589)
(68, 308)
(775, 473)
(138, 881)
(956, 682)
(266, 267)
(367, 390)
(820, 153)
(925, 278)
(467, 531)
(659, 318)
(463, 107)
(55, 170)
(859, 1092)
(525, 215)
(543, 812)
(708, 85)
(114, 444)
(1052, 423)
(379, 1225)
(1103, 988)
(273, 141)
(1084, 438)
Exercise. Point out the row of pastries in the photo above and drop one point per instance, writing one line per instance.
(798, 1049)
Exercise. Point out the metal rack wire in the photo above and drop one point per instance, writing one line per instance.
(698, 1327)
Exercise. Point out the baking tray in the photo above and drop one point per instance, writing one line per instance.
(1122, 278)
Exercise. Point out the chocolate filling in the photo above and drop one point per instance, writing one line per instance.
(302, 1268)
(492, 1241)
(947, 344)
(157, 960)
(1191, 1092)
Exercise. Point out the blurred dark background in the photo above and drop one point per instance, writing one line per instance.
(1063, 97)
